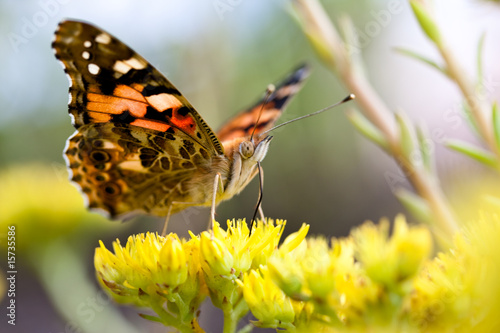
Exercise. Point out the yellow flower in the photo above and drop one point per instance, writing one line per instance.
(326, 277)
(216, 255)
(151, 268)
(266, 301)
(235, 251)
(283, 264)
(392, 260)
(226, 255)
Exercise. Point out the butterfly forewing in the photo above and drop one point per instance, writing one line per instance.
(271, 107)
(112, 83)
(139, 141)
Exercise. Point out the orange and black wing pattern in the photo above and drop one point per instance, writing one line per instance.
(109, 82)
(243, 124)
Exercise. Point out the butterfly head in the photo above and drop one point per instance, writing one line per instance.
(250, 150)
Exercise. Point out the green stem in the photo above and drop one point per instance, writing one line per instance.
(233, 314)
(182, 307)
(246, 329)
(168, 320)
(230, 323)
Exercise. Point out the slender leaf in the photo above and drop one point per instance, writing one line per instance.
(496, 123)
(151, 318)
(426, 21)
(423, 59)
(426, 146)
(417, 206)
(367, 128)
(480, 49)
(474, 152)
(408, 142)
(354, 48)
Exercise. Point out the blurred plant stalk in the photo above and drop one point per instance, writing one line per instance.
(484, 121)
(393, 133)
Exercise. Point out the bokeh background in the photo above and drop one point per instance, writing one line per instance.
(221, 54)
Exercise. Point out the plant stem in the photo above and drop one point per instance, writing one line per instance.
(334, 52)
(230, 323)
(375, 110)
(476, 102)
(233, 314)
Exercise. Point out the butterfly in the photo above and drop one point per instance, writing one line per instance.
(139, 145)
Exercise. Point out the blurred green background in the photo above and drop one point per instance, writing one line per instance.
(221, 55)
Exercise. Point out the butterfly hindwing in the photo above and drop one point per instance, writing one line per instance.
(126, 169)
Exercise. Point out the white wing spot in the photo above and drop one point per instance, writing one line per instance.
(85, 55)
(121, 67)
(70, 98)
(136, 63)
(93, 69)
(163, 101)
(87, 44)
(103, 38)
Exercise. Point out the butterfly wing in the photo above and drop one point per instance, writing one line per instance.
(139, 141)
(243, 124)
(111, 82)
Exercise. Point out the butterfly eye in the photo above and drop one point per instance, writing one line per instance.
(246, 149)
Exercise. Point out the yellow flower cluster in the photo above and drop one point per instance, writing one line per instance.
(372, 280)
(460, 290)
(173, 276)
(344, 283)
(151, 270)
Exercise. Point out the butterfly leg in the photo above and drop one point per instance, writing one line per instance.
(217, 183)
(258, 208)
(165, 224)
(261, 191)
(261, 213)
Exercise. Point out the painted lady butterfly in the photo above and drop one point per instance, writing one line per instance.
(140, 146)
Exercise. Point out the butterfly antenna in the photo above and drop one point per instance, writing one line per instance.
(347, 99)
(269, 91)
(259, 201)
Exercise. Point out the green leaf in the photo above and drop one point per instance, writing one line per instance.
(423, 59)
(480, 49)
(417, 206)
(496, 123)
(426, 146)
(353, 48)
(426, 21)
(474, 152)
(467, 113)
(406, 135)
(151, 318)
(366, 128)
